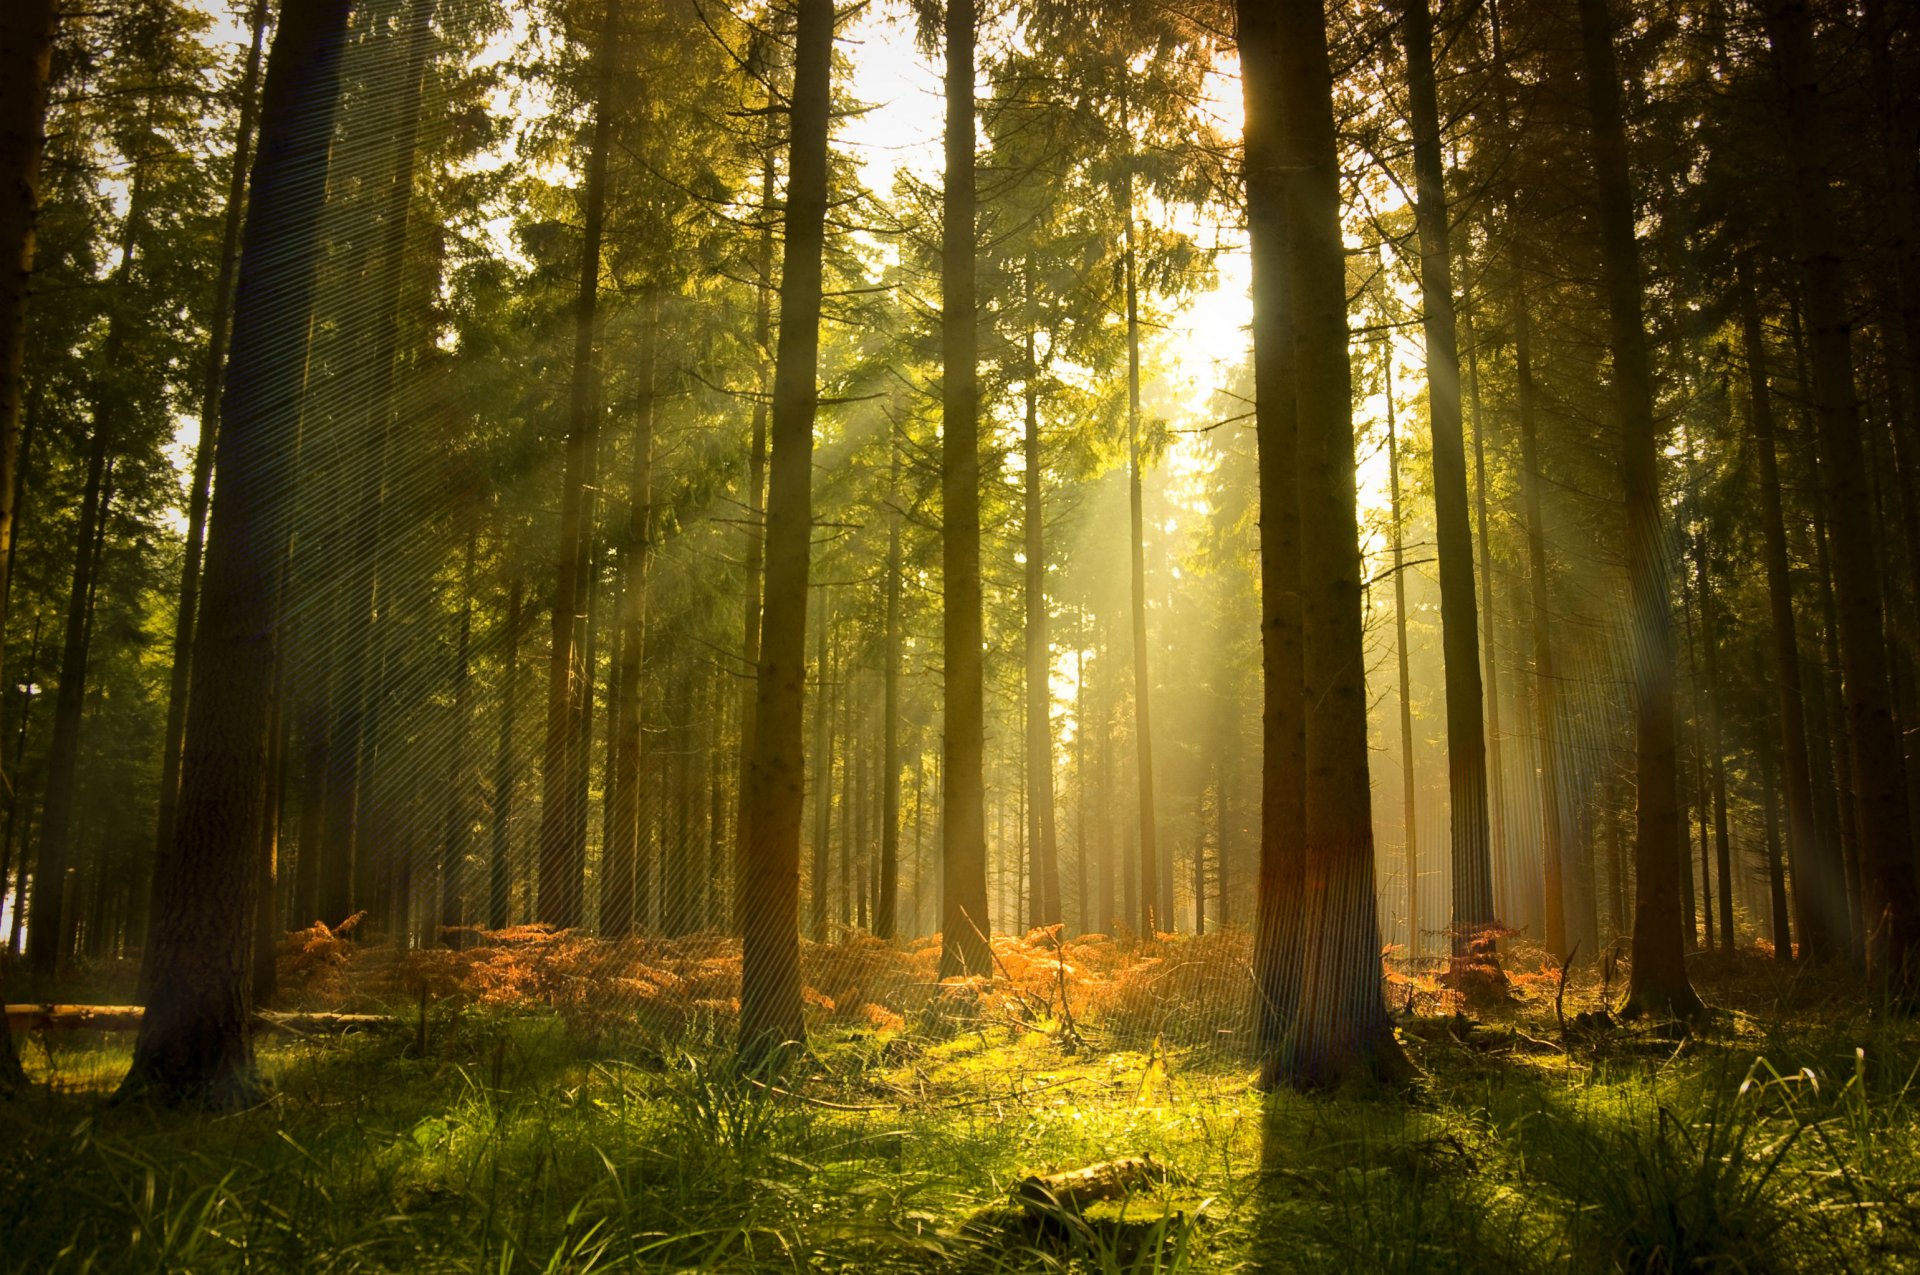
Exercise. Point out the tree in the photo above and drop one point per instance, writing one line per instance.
(195, 1046)
(1660, 984)
(770, 1010)
(965, 925)
(26, 45)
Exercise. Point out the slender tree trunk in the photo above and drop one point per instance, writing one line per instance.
(1776, 868)
(823, 770)
(886, 923)
(1890, 895)
(965, 924)
(1490, 676)
(770, 1018)
(1660, 984)
(1716, 759)
(194, 1045)
(506, 769)
(1279, 936)
(621, 856)
(456, 831)
(1409, 820)
(563, 816)
(1553, 827)
(1043, 847)
(1818, 882)
(199, 491)
(1473, 911)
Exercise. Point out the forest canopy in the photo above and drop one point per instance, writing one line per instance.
(795, 564)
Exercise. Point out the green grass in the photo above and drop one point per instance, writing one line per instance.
(1784, 1137)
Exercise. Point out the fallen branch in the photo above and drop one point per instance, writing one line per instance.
(1075, 1189)
(124, 1018)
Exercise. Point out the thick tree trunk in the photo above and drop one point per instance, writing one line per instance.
(1460, 638)
(1342, 1026)
(1891, 898)
(965, 924)
(770, 1017)
(200, 490)
(1279, 938)
(1659, 982)
(563, 815)
(194, 1045)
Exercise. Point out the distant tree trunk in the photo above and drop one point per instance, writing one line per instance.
(770, 1015)
(505, 766)
(1545, 685)
(358, 623)
(1466, 732)
(456, 831)
(1409, 821)
(1776, 869)
(1659, 981)
(563, 815)
(1891, 896)
(621, 856)
(1043, 846)
(1700, 785)
(1490, 677)
(1818, 883)
(965, 924)
(1279, 936)
(754, 557)
(1716, 759)
(1153, 917)
(823, 770)
(1342, 1027)
(200, 489)
(194, 1045)
(886, 924)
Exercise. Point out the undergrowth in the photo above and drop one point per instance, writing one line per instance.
(547, 1128)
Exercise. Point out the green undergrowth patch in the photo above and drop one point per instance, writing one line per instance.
(1773, 1138)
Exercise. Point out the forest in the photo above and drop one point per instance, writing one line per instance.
(959, 635)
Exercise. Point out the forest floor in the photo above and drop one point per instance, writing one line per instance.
(510, 1133)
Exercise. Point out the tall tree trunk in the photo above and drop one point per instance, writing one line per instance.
(563, 815)
(456, 831)
(357, 623)
(1716, 759)
(1776, 868)
(1818, 883)
(1490, 677)
(1473, 911)
(965, 924)
(505, 766)
(1409, 821)
(770, 1017)
(1342, 1027)
(1659, 982)
(200, 489)
(1546, 686)
(1154, 917)
(1891, 896)
(886, 923)
(621, 856)
(1279, 937)
(1043, 847)
(823, 770)
(194, 1045)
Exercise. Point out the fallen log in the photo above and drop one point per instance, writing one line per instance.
(121, 1018)
(1073, 1190)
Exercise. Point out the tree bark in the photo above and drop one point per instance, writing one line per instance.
(965, 924)
(1891, 898)
(1473, 912)
(561, 900)
(1660, 984)
(770, 1015)
(1278, 953)
(1342, 1027)
(194, 1045)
